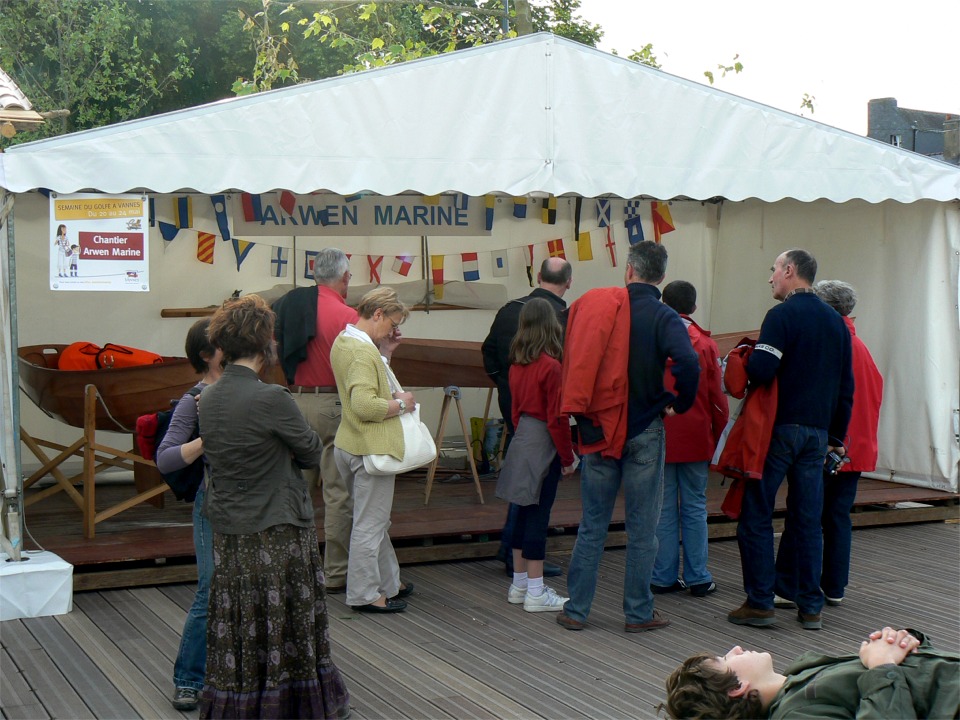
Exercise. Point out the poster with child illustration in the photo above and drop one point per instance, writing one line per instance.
(99, 242)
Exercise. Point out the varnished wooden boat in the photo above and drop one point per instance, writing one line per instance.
(127, 393)
(439, 363)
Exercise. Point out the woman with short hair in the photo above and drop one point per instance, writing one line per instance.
(372, 403)
(268, 641)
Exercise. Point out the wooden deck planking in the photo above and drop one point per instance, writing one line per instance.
(461, 651)
(17, 698)
(37, 666)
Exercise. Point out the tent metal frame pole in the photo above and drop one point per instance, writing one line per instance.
(11, 538)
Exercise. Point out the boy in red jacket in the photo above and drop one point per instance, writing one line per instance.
(691, 439)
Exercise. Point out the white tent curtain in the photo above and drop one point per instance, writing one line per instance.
(903, 261)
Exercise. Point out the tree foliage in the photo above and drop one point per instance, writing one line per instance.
(736, 68)
(376, 34)
(100, 59)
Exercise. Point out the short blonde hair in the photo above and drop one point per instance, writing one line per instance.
(381, 298)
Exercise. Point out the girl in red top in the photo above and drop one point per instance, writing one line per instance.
(535, 389)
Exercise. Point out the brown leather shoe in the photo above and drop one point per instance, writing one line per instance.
(746, 615)
(655, 623)
(568, 622)
(809, 621)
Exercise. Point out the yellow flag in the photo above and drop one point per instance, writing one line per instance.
(584, 249)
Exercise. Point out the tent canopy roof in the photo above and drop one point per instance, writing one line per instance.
(537, 114)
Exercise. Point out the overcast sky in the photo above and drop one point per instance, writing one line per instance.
(843, 52)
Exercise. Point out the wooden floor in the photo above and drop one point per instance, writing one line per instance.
(461, 651)
(149, 545)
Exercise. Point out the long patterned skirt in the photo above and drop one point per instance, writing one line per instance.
(268, 640)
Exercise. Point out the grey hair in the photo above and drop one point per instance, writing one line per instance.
(329, 265)
(648, 260)
(839, 295)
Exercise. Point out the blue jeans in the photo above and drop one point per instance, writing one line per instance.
(796, 452)
(190, 667)
(839, 492)
(640, 471)
(684, 510)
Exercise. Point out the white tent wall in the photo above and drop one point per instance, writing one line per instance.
(725, 250)
(903, 261)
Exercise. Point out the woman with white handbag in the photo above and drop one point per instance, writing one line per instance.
(370, 446)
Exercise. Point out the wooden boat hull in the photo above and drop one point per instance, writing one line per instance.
(439, 363)
(127, 393)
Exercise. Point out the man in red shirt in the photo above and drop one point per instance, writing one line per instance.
(691, 439)
(309, 338)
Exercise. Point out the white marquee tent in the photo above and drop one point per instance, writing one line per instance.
(542, 115)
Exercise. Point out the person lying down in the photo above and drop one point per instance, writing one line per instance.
(897, 674)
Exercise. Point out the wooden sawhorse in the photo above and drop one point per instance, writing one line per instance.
(452, 393)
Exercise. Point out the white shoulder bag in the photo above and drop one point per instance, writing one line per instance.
(419, 448)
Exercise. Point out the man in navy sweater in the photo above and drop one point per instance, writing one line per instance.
(656, 335)
(804, 345)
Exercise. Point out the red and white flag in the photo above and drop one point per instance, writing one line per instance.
(402, 264)
(288, 201)
(375, 261)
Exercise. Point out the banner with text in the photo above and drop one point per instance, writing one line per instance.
(99, 242)
(336, 216)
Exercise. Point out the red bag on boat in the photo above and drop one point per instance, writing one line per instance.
(79, 356)
(121, 356)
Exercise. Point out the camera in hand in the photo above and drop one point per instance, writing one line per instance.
(833, 462)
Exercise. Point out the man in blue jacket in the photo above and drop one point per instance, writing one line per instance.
(805, 345)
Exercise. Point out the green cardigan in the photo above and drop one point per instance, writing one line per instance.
(365, 397)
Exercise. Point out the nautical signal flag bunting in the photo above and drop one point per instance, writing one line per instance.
(436, 270)
(471, 267)
(205, 245)
(662, 220)
(402, 264)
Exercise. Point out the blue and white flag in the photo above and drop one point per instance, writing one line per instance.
(603, 212)
(220, 210)
(278, 261)
(501, 267)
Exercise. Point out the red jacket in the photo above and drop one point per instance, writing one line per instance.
(745, 451)
(861, 438)
(595, 357)
(535, 391)
(693, 435)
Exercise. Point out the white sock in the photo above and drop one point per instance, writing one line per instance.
(520, 580)
(535, 586)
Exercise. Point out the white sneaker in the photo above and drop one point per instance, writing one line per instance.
(516, 595)
(779, 602)
(549, 601)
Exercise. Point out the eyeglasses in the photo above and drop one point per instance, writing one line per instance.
(395, 324)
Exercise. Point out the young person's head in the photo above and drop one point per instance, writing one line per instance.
(681, 296)
(728, 687)
(199, 349)
(539, 332)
